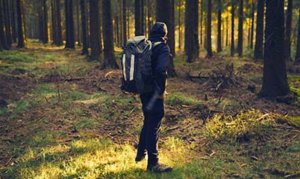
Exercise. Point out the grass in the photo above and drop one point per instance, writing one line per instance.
(181, 99)
(59, 129)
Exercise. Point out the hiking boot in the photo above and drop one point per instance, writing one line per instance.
(159, 168)
(140, 157)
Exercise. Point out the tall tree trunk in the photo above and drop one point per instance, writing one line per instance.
(179, 24)
(45, 22)
(219, 44)
(201, 22)
(124, 7)
(259, 40)
(252, 26)
(241, 30)
(274, 77)
(2, 25)
(58, 21)
(84, 27)
(208, 30)
(7, 22)
(232, 48)
(288, 30)
(227, 32)
(94, 30)
(78, 23)
(54, 23)
(109, 56)
(138, 14)
(13, 20)
(191, 30)
(164, 14)
(21, 43)
(297, 59)
(70, 37)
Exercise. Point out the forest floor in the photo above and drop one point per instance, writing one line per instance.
(62, 117)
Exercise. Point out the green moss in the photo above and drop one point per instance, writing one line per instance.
(17, 56)
(181, 99)
(86, 123)
(294, 120)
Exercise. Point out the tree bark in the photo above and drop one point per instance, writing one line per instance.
(109, 56)
(124, 7)
(288, 30)
(84, 27)
(59, 40)
(21, 43)
(94, 30)
(54, 23)
(208, 30)
(7, 23)
(241, 30)
(219, 43)
(252, 26)
(297, 59)
(232, 48)
(70, 38)
(138, 15)
(164, 14)
(2, 25)
(274, 77)
(78, 23)
(13, 20)
(45, 22)
(259, 40)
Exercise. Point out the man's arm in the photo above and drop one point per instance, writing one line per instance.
(160, 70)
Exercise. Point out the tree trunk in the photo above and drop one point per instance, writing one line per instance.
(259, 40)
(78, 23)
(2, 25)
(84, 27)
(232, 49)
(59, 40)
(54, 23)
(124, 22)
(45, 22)
(219, 44)
(252, 26)
(288, 30)
(138, 14)
(94, 30)
(21, 43)
(164, 13)
(7, 23)
(241, 30)
(13, 20)
(109, 56)
(70, 38)
(274, 77)
(179, 25)
(208, 30)
(297, 59)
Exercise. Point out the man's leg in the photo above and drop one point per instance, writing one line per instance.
(154, 118)
(141, 150)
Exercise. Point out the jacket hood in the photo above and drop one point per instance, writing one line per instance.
(159, 31)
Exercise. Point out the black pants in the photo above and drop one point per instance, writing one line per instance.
(149, 133)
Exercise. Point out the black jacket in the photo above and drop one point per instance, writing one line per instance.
(160, 57)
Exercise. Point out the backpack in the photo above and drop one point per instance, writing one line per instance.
(137, 75)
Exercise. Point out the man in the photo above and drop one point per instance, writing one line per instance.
(153, 102)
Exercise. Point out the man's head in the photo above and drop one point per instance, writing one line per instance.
(159, 29)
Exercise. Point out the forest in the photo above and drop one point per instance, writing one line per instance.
(231, 104)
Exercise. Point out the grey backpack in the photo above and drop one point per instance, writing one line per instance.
(137, 65)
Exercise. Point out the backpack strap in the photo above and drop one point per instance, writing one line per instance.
(156, 43)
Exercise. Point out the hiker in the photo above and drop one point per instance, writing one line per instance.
(153, 102)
